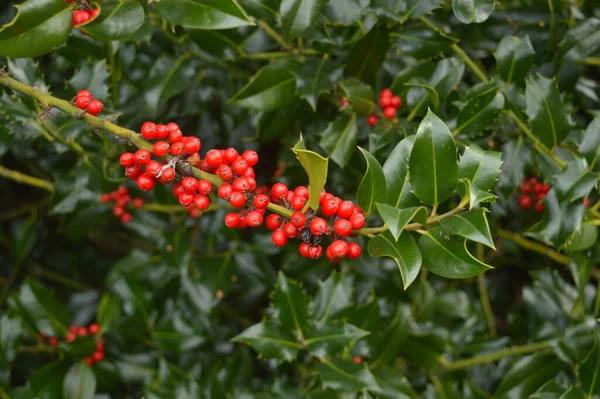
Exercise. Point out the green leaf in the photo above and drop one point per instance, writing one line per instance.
(514, 57)
(583, 239)
(393, 384)
(472, 225)
(468, 11)
(419, 8)
(547, 113)
(174, 333)
(270, 342)
(109, 311)
(359, 95)
(117, 20)
(40, 309)
(590, 145)
(204, 14)
(448, 257)
(367, 55)
(168, 78)
(575, 182)
(291, 304)
(49, 378)
(92, 77)
(577, 342)
(484, 103)
(345, 375)
(372, 186)
(433, 165)
(39, 27)
(589, 372)
(515, 157)
(79, 382)
(425, 346)
(421, 42)
(333, 296)
(395, 171)
(527, 375)
(480, 167)
(340, 138)
(316, 168)
(404, 251)
(273, 87)
(580, 42)
(24, 234)
(394, 337)
(297, 15)
(396, 219)
(332, 338)
(317, 76)
(11, 334)
(477, 196)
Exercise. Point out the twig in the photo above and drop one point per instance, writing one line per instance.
(533, 246)
(26, 179)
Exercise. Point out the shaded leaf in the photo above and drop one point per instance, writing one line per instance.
(340, 138)
(345, 375)
(484, 103)
(418, 8)
(420, 42)
(297, 15)
(168, 78)
(317, 76)
(333, 338)
(514, 57)
(404, 251)
(109, 311)
(359, 95)
(269, 342)
(204, 14)
(367, 55)
(472, 225)
(396, 219)
(393, 384)
(291, 304)
(393, 337)
(589, 372)
(79, 382)
(575, 182)
(372, 186)
(590, 145)
(527, 375)
(468, 11)
(24, 234)
(333, 296)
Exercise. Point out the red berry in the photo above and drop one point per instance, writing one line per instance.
(342, 227)
(126, 218)
(225, 190)
(204, 187)
(225, 172)
(153, 168)
(162, 132)
(315, 252)
(261, 201)
(279, 238)
(545, 188)
(586, 202)
(186, 199)
(118, 211)
(148, 130)
(142, 157)
(133, 172)
(251, 157)
(337, 250)
(249, 173)
(525, 188)
(385, 101)
(329, 207)
(94, 328)
(357, 221)
(178, 190)
(345, 209)
(532, 180)
(127, 159)
(230, 155)
(189, 184)
(354, 250)
(84, 93)
(298, 219)
(237, 199)
(82, 331)
(343, 101)
(540, 196)
(53, 341)
(193, 144)
(290, 230)
(538, 188)
(304, 249)
(239, 166)
(95, 107)
(80, 17)
(254, 218)
(145, 182)
(318, 226)
(274, 221)
(176, 148)
(201, 202)
(389, 112)
(525, 201)
(83, 102)
(232, 220)
(175, 135)
(70, 337)
(279, 190)
(160, 148)
(95, 12)
(372, 120)
(214, 158)
(396, 102)
(302, 191)
(100, 345)
(167, 176)
(298, 202)
(98, 356)
(105, 198)
(240, 184)
(173, 127)
(539, 207)
(385, 93)
(357, 359)
(89, 361)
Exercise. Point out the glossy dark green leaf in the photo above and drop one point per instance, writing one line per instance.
(297, 15)
(419, 8)
(345, 375)
(340, 138)
(359, 95)
(372, 187)
(270, 342)
(176, 334)
(577, 342)
(168, 78)
(404, 251)
(589, 372)
(316, 168)
(204, 14)
(273, 87)
(448, 257)
(317, 76)
(367, 55)
(590, 145)
(583, 239)
(79, 382)
(109, 311)
(527, 375)
(24, 234)
(393, 337)
(575, 182)
(395, 170)
(421, 42)
(514, 57)
(433, 165)
(39, 27)
(472, 225)
(49, 378)
(515, 156)
(333, 296)
(579, 42)
(117, 20)
(291, 305)
(11, 334)
(393, 384)
(547, 113)
(469, 11)
(483, 104)
(425, 346)
(477, 195)
(92, 77)
(480, 167)
(81, 348)
(332, 338)
(396, 219)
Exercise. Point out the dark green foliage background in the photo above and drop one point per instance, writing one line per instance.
(171, 292)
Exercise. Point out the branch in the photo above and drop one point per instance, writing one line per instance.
(533, 246)
(26, 179)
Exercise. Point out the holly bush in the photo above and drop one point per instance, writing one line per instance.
(426, 171)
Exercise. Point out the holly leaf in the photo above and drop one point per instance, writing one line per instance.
(589, 372)
(514, 57)
(340, 138)
(396, 219)
(404, 251)
(316, 168)
(448, 257)
(527, 375)
(483, 104)
(168, 78)
(575, 182)
(315, 77)
(117, 20)
(79, 382)
(472, 225)
(204, 14)
(590, 145)
(469, 11)
(297, 15)
(270, 342)
(332, 338)
(290, 303)
(345, 375)
(418, 8)
(480, 167)
(333, 296)
(109, 311)
(476, 195)
(359, 95)
(420, 42)
(395, 170)
(372, 186)
(367, 55)
(433, 166)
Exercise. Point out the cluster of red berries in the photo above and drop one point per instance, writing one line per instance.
(85, 102)
(80, 331)
(82, 15)
(532, 190)
(122, 199)
(389, 102)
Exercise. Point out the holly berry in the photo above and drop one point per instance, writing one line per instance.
(201, 202)
(225, 172)
(176, 148)
(148, 130)
(337, 250)
(298, 202)
(84, 93)
(82, 102)
(372, 120)
(232, 220)
(192, 145)
(162, 132)
(279, 190)
(254, 218)
(329, 207)
(225, 190)
(204, 187)
(153, 168)
(237, 199)
(389, 112)
(345, 209)
(279, 238)
(396, 102)
(167, 176)
(342, 227)
(160, 148)
(80, 17)
(315, 252)
(95, 107)
(145, 182)
(539, 207)
(53, 341)
(142, 157)
(98, 356)
(175, 134)
(290, 230)
(214, 158)
(189, 184)
(525, 202)
(357, 221)
(298, 219)
(94, 328)
(127, 159)
(354, 250)
(318, 226)
(357, 359)
(261, 201)
(304, 249)
(251, 157)
(137, 203)
(230, 155)
(274, 221)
